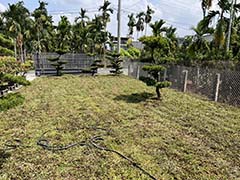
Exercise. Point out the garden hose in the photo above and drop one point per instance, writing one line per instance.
(91, 142)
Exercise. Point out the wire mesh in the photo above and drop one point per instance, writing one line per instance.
(202, 81)
(75, 62)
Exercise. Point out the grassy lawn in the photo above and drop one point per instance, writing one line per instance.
(181, 137)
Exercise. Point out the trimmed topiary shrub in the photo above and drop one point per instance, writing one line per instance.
(57, 62)
(153, 80)
(116, 63)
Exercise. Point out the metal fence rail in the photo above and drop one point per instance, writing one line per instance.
(217, 85)
(75, 63)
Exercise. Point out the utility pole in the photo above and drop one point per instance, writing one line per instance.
(230, 25)
(119, 26)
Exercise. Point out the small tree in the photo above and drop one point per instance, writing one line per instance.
(57, 62)
(153, 80)
(96, 64)
(116, 63)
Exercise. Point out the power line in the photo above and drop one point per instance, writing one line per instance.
(174, 22)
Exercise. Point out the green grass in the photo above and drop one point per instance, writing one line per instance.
(180, 137)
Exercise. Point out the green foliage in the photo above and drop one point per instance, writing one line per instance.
(116, 63)
(149, 81)
(125, 53)
(155, 42)
(10, 101)
(6, 52)
(9, 65)
(14, 79)
(94, 67)
(58, 63)
(154, 72)
(134, 52)
(4, 42)
(163, 84)
(153, 68)
(131, 53)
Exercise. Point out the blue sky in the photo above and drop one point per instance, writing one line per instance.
(182, 14)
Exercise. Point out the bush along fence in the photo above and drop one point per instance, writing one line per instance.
(217, 85)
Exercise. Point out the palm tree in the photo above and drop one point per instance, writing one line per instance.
(43, 26)
(83, 17)
(199, 43)
(140, 22)
(131, 24)
(206, 5)
(221, 27)
(148, 17)
(157, 27)
(171, 36)
(106, 10)
(64, 34)
(16, 18)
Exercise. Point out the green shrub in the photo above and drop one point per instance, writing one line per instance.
(11, 101)
(116, 62)
(163, 84)
(6, 52)
(134, 52)
(124, 53)
(9, 65)
(15, 79)
(7, 43)
(153, 80)
(57, 62)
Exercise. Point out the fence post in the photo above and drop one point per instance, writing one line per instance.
(185, 80)
(218, 77)
(138, 71)
(129, 70)
(165, 75)
(198, 76)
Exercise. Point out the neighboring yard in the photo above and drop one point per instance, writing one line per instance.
(180, 137)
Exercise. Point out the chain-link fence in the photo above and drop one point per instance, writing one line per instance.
(222, 86)
(75, 63)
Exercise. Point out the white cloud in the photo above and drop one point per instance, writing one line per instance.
(2, 8)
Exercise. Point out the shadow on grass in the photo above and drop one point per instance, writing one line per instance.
(135, 97)
(3, 157)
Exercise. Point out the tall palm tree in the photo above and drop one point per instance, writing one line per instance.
(83, 17)
(64, 34)
(199, 43)
(223, 22)
(106, 11)
(140, 22)
(157, 27)
(148, 17)
(171, 36)
(17, 15)
(131, 24)
(43, 26)
(206, 5)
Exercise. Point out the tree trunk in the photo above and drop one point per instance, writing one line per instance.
(21, 52)
(152, 54)
(146, 30)
(158, 93)
(15, 48)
